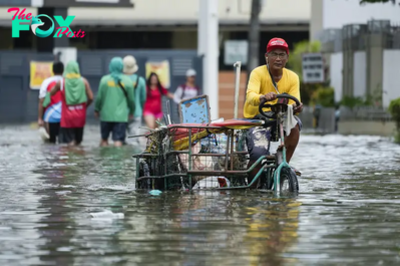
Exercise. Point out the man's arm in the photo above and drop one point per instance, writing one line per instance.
(178, 94)
(40, 112)
(253, 95)
(55, 89)
(42, 96)
(89, 92)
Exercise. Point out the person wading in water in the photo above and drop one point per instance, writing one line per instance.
(76, 96)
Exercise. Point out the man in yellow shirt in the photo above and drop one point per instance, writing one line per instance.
(266, 82)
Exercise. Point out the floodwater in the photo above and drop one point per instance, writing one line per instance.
(61, 206)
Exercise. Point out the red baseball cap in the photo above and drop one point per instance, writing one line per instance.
(277, 43)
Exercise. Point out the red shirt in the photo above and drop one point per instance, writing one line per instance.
(72, 116)
(153, 102)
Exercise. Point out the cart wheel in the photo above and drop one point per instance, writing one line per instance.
(145, 183)
(288, 180)
(269, 178)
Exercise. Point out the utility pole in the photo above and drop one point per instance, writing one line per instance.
(254, 36)
(208, 48)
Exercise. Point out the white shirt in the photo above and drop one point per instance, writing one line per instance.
(45, 84)
(181, 94)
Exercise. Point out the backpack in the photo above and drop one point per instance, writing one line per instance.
(137, 83)
(184, 88)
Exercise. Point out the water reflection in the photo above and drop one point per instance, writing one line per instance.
(66, 206)
(57, 227)
(272, 231)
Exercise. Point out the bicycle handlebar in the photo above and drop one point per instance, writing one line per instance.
(279, 96)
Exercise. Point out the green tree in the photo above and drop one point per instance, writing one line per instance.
(394, 109)
(295, 64)
(324, 96)
(296, 56)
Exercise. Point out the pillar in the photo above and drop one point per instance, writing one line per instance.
(208, 48)
(47, 44)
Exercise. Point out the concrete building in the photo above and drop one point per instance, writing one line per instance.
(172, 24)
(160, 24)
(362, 47)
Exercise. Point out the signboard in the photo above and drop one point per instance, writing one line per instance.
(161, 69)
(65, 54)
(313, 68)
(39, 72)
(235, 50)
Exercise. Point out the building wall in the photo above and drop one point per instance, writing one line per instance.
(18, 102)
(6, 43)
(335, 72)
(227, 94)
(316, 24)
(391, 76)
(324, 14)
(360, 74)
(186, 11)
(357, 127)
(351, 12)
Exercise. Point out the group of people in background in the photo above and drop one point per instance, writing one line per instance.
(123, 101)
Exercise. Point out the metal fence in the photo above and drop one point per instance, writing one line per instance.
(19, 103)
(365, 113)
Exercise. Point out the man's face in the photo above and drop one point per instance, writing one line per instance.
(191, 79)
(277, 59)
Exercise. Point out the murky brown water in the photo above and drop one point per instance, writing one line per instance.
(61, 206)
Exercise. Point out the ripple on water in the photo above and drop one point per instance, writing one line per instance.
(61, 206)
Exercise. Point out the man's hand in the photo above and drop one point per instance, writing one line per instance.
(40, 122)
(130, 117)
(96, 114)
(298, 109)
(270, 96)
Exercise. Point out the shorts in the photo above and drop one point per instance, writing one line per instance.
(156, 115)
(53, 113)
(258, 140)
(118, 130)
(54, 130)
(67, 135)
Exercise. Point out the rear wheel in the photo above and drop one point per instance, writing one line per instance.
(144, 183)
(288, 180)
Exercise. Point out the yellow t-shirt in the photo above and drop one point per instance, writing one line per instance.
(260, 83)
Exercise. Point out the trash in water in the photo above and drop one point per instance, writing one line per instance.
(155, 192)
(107, 214)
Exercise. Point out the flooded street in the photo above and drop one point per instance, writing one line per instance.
(61, 206)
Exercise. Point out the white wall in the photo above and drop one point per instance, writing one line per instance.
(337, 13)
(335, 72)
(360, 74)
(391, 76)
(186, 11)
